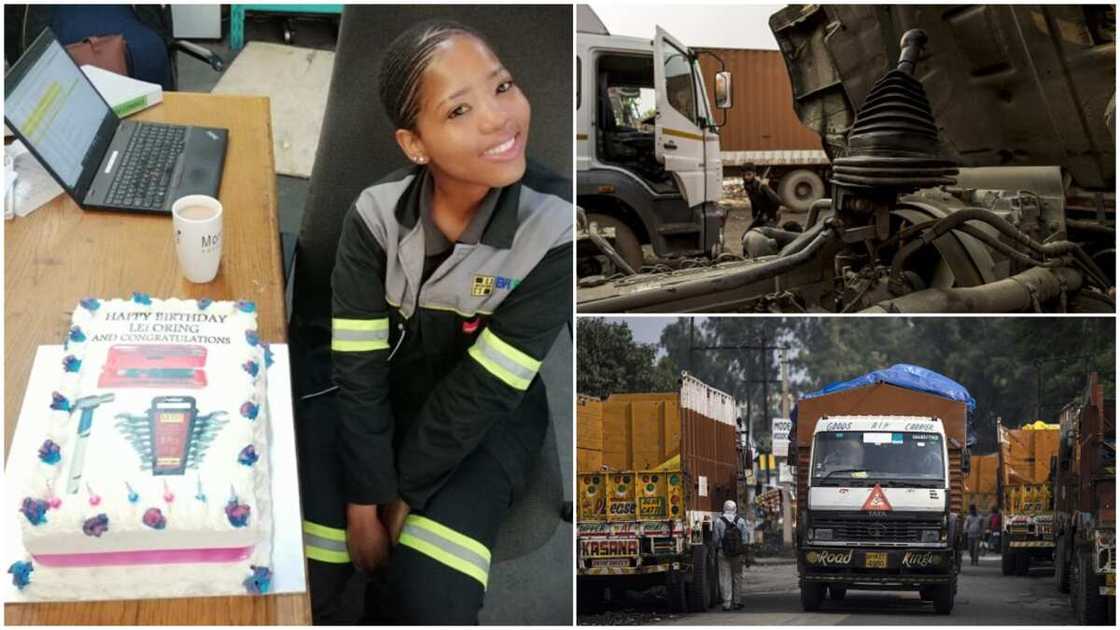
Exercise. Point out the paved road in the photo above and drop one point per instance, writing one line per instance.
(984, 597)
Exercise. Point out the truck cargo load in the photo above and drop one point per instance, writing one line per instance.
(1025, 496)
(880, 485)
(980, 484)
(652, 477)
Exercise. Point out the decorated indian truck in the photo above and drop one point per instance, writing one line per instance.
(653, 472)
(880, 464)
(1085, 506)
(1025, 497)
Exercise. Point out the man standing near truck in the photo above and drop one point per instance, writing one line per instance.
(974, 529)
(730, 538)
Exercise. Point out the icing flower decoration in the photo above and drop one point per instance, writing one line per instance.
(251, 367)
(260, 582)
(96, 526)
(76, 334)
(252, 337)
(203, 303)
(35, 510)
(94, 499)
(49, 452)
(154, 518)
(90, 304)
(248, 455)
(268, 360)
(52, 499)
(71, 363)
(246, 306)
(250, 411)
(238, 513)
(21, 574)
(141, 298)
(168, 495)
(59, 402)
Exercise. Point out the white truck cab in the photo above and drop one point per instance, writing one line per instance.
(647, 145)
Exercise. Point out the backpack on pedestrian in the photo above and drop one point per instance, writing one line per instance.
(732, 545)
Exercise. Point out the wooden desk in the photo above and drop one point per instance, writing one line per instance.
(60, 254)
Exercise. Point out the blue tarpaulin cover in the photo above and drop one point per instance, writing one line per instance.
(910, 377)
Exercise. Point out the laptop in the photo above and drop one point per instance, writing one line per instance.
(102, 161)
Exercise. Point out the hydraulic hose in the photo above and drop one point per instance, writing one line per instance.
(693, 288)
(1020, 292)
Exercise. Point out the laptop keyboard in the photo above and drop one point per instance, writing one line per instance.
(147, 163)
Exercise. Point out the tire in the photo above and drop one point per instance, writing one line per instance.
(1022, 563)
(1007, 562)
(799, 189)
(926, 594)
(589, 595)
(625, 242)
(699, 591)
(943, 596)
(677, 591)
(811, 596)
(1061, 566)
(1088, 606)
(836, 592)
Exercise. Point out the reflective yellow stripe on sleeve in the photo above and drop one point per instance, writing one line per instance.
(510, 365)
(359, 335)
(325, 544)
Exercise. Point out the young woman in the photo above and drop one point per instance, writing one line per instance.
(453, 280)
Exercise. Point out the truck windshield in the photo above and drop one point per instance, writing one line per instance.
(839, 457)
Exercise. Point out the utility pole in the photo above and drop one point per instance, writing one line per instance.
(787, 499)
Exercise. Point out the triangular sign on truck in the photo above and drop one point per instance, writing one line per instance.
(876, 501)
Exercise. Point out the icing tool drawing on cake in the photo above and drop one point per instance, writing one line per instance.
(154, 365)
(86, 405)
(171, 436)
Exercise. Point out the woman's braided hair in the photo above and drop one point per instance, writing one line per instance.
(405, 61)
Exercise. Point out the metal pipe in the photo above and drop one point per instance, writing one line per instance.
(694, 288)
(603, 245)
(1017, 293)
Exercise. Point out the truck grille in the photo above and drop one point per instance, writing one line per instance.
(878, 530)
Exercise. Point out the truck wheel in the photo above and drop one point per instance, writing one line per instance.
(1022, 563)
(799, 189)
(698, 589)
(625, 243)
(926, 594)
(943, 596)
(589, 595)
(1007, 562)
(1090, 608)
(677, 591)
(811, 596)
(1061, 566)
(836, 592)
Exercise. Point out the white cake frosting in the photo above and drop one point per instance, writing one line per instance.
(118, 451)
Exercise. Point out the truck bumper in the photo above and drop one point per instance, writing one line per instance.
(642, 570)
(884, 568)
(1031, 544)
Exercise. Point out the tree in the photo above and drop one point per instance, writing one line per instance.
(609, 361)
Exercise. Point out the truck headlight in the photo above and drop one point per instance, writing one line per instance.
(931, 535)
(822, 534)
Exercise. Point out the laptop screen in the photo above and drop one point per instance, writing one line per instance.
(57, 110)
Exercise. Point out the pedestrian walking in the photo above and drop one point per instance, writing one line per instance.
(731, 545)
(974, 529)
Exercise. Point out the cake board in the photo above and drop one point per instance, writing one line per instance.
(288, 574)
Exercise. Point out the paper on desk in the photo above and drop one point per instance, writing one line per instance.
(33, 186)
(287, 524)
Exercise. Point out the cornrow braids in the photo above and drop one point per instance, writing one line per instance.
(405, 61)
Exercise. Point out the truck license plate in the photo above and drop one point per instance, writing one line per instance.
(875, 560)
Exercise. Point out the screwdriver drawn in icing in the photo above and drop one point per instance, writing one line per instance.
(86, 405)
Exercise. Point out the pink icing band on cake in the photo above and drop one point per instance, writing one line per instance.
(162, 556)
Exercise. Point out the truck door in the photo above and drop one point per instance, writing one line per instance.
(678, 140)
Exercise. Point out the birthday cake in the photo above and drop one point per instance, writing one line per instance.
(154, 450)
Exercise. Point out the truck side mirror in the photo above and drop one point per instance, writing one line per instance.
(723, 90)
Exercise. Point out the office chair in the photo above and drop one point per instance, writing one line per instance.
(147, 29)
(356, 148)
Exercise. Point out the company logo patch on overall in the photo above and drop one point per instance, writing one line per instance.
(485, 285)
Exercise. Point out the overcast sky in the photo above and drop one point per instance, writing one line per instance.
(697, 25)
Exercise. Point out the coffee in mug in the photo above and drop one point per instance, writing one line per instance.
(197, 228)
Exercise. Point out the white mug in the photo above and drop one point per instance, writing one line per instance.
(197, 223)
